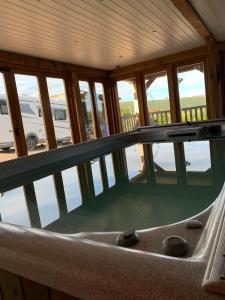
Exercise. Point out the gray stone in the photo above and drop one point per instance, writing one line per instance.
(175, 246)
(194, 224)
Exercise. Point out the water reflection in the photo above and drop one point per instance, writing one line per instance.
(46, 200)
(166, 182)
(72, 188)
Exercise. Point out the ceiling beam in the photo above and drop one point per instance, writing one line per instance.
(191, 15)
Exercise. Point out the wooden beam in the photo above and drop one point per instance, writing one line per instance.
(173, 94)
(213, 82)
(94, 110)
(71, 99)
(190, 14)
(79, 110)
(142, 100)
(46, 108)
(161, 62)
(15, 114)
(15, 60)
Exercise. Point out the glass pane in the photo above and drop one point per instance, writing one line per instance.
(110, 170)
(198, 162)
(128, 103)
(87, 109)
(59, 109)
(46, 200)
(135, 160)
(72, 188)
(13, 207)
(31, 112)
(158, 103)
(191, 81)
(7, 148)
(97, 176)
(100, 99)
(165, 165)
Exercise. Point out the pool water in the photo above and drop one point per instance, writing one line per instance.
(164, 183)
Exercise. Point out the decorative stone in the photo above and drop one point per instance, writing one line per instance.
(128, 238)
(175, 246)
(194, 224)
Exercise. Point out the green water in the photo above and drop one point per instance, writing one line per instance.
(162, 183)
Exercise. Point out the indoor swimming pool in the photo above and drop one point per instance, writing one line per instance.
(75, 203)
(161, 183)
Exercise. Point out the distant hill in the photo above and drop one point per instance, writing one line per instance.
(126, 107)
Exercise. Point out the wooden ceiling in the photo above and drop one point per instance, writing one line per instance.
(212, 14)
(96, 33)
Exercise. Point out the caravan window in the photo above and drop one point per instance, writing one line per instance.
(3, 107)
(60, 114)
(26, 109)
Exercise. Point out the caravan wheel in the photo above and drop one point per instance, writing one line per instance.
(31, 143)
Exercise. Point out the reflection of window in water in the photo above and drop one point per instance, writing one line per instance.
(198, 162)
(135, 162)
(197, 156)
(13, 207)
(97, 176)
(165, 165)
(110, 170)
(46, 200)
(72, 188)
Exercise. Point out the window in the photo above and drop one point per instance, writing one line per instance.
(128, 103)
(33, 122)
(87, 109)
(26, 108)
(99, 94)
(3, 107)
(58, 102)
(7, 146)
(158, 103)
(191, 82)
(60, 114)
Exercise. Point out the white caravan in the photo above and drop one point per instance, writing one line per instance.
(33, 123)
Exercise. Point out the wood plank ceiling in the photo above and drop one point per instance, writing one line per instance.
(96, 33)
(212, 14)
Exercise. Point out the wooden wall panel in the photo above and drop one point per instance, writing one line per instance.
(11, 286)
(33, 290)
(57, 295)
(15, 287)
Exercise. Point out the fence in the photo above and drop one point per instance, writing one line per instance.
(195, 113)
